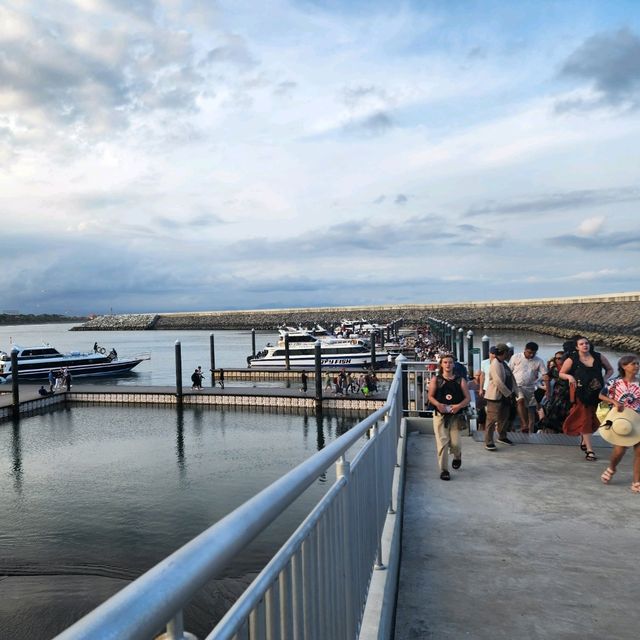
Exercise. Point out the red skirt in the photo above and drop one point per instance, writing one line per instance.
(581, 419)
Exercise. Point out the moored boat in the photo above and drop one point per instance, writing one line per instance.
(334, 352)
(34, 363)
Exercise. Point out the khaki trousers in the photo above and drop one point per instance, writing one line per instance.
(497, 419)
(447, 432)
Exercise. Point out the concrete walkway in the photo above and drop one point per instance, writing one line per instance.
(523, 543)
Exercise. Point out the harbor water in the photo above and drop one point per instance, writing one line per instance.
(91, 497)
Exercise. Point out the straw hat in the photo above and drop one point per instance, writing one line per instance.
(621, 427)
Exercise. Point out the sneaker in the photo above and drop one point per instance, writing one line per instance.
(490, 447)
(445, 476)
(505, 440)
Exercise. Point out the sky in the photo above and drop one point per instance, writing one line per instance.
(184, 155)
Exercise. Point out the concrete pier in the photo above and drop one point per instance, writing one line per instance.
(523, 543)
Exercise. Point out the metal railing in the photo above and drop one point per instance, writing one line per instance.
(315, 587)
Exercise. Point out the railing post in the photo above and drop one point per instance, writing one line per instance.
(485, 347)
(178, 352)
(175, 629)
(454, 337)
(212, 354)
(379, 565)
(343, 470)
(15, 383)
(470, 352)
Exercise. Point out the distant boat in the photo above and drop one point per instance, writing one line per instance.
(34, 363)
(334, 352)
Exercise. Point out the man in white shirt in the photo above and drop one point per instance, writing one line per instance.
(528, 370)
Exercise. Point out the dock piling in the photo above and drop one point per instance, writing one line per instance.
(470, 352)
(485, 347)
(178, 351)
(253, 343)
(287, 362)
(318, 374)
(212, 353)
(15, 382)
(460, 340)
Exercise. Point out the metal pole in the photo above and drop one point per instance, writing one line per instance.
(178, 350)
(212, 352)
(485, 347)
(460, 339)
(287, 364)
(373, 351)
(454, 335)
(15, 381)
(470, 352)
(318, 372)
(253, 342)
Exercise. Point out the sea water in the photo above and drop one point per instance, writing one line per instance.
(92, 497)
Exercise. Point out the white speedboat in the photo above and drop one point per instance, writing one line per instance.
(334, 352)
(34, 363)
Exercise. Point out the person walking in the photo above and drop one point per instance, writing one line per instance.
(66, 376)
(622, 426)
(303, 380)
(582, 369)
(221, 376)
(449, 395)
(501, 389)
(52, 380)
(528, 369)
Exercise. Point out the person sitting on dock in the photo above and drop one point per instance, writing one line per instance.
(43, 392)
(449, 395)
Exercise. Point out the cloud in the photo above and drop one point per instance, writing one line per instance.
(234, 51)
(591, 226)
(562, 201)
(374, 124)
(624, 241)
(401, 199)
(609, 63)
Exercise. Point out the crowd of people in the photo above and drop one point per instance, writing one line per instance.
(58, 379)
(346, 383)
(574, 393)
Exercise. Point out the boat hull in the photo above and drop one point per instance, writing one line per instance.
(112, 368)
(358, 360)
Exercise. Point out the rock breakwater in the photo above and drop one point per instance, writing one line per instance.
(613, 321)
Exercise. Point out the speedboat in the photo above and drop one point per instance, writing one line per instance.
(35, 363)
(334, 352)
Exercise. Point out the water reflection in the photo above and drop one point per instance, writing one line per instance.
(182, 467)
(16, 451)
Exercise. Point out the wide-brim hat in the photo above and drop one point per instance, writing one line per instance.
(621, 427)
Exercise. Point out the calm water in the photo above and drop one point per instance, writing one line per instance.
(231, 347)
(91, 497)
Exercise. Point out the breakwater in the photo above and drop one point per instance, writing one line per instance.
(612, 320)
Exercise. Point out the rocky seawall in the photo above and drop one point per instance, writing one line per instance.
(613, 321)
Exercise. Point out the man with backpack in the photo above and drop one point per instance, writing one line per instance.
(448, 395)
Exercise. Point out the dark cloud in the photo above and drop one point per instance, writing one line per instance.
(625, 241)
(285, 88)
(354, 96)
(233, 51)
(401, 199)
(374, 124)
(558, 202)
(609, 62)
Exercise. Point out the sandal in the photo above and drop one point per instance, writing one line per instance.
(590, 456)
(456, 463)
(635, 487)
(607, 474)
(445, 475)
(583, 446)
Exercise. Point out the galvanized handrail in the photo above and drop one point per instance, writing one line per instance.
(158, 597)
